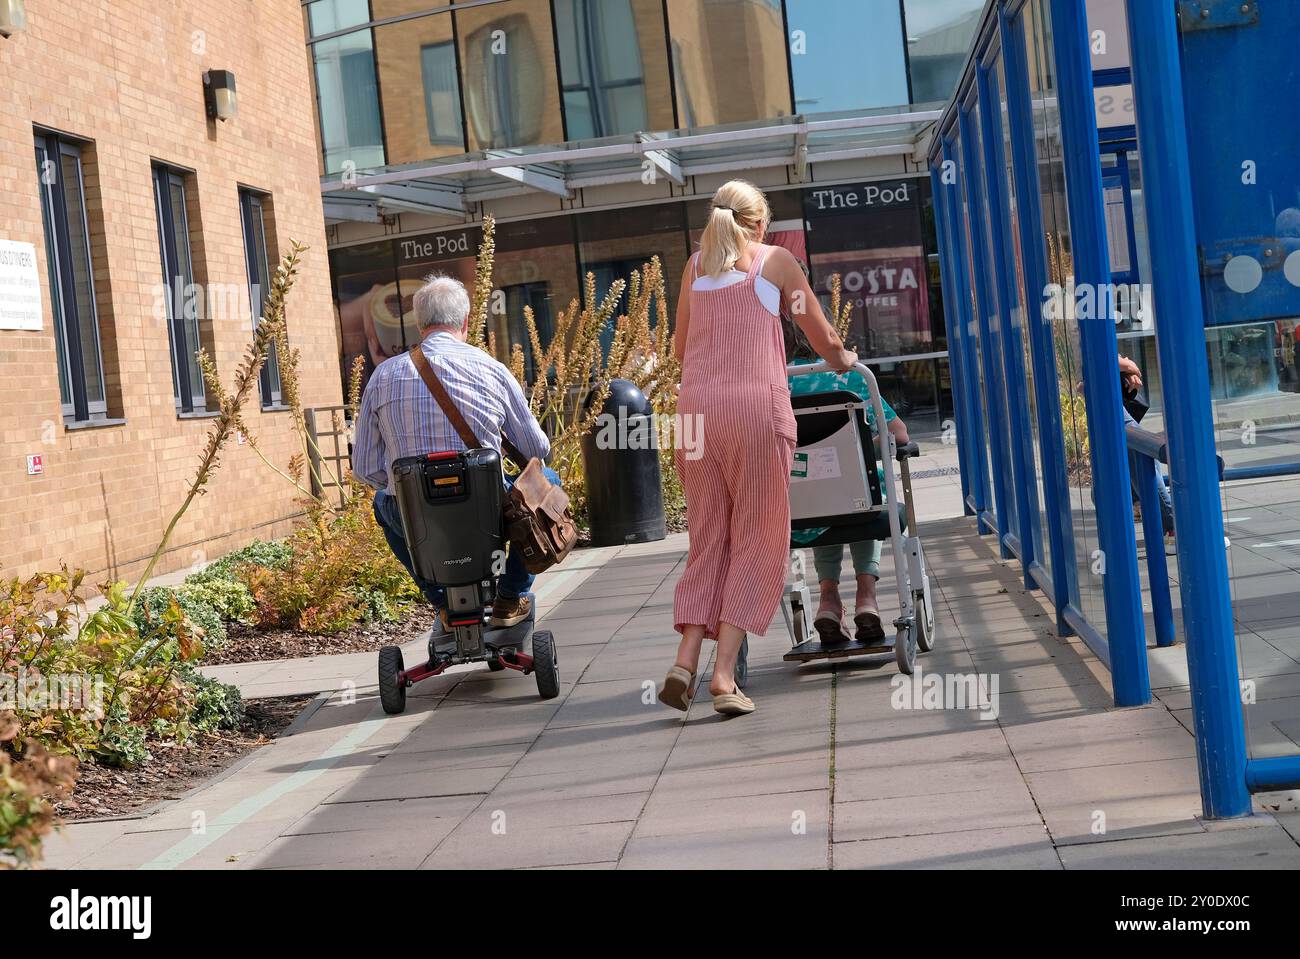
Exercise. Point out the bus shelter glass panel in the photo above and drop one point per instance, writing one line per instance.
(1019, 331)
(1246, 201)
(973, 327)
(997, 425)
(1086, 586)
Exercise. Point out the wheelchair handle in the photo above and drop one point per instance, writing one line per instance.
(821, 366)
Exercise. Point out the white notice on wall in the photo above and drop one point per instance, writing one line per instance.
(818, 463)
(20, 287)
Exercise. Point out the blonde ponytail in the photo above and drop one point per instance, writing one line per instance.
(738, 215)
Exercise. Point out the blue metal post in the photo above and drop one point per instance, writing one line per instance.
(1020, 437)
(989, 354)
(1122, 587)
(1189, 425)
(939, 200)
(963, 318)
(1051, 442)
(1153, 536)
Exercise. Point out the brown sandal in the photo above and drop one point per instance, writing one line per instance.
(678, 688)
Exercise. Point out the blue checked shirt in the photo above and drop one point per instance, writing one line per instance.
(399, 416)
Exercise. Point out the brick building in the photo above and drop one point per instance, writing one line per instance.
(154, 228)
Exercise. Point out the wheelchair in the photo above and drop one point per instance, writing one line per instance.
(834, 486)
(451, 516)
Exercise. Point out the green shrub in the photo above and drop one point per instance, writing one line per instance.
(267, 554)
(214, 704)
(340, 572)
(153, 603)
(31, 778)
(123, 742)
(230, 599)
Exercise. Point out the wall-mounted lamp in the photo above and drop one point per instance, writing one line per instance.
(12, 17)
(218, 93)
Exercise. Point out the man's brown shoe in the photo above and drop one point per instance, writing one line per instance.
(508, 612)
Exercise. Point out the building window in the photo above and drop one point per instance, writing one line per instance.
(72, 284)
(729, 61)
(184, 306)
(441, 93)
(939, 35)
(508, 70)
(330, 16)
(600, 68)
(252, 215)
(837, 64)
(347, 100)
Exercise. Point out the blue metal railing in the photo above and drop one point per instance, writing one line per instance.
(1145, 450)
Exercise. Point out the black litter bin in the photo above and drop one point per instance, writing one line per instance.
(625, 499)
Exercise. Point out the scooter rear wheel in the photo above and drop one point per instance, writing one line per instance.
(546, 667)
(392, 691)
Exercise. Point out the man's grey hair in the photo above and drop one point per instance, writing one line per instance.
(442, 303)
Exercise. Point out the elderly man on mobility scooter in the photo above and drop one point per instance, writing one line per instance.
(439, 496)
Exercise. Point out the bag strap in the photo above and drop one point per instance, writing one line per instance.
(453, 413)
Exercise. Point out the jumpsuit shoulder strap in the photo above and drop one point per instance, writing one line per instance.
(756, 265)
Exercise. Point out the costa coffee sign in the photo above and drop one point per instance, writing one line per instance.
(861, 196)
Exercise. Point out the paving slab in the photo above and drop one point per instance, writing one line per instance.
(838, 767)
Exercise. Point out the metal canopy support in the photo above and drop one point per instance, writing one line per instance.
(1121, 586)
(350, 208)
(418, 198)
(546, 182)
(665, 160)
(1193, 462)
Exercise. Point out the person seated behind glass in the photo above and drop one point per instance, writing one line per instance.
(828, 560)
(399, 417)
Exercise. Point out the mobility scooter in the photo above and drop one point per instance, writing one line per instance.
(451, 514)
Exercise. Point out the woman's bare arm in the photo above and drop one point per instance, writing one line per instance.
(801, 304)
(683, 313)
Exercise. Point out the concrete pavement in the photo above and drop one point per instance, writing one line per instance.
(841, 767)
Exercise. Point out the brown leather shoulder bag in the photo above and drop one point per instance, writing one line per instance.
(538, 522)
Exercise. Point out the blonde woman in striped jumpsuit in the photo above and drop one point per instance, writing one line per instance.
(728, 338)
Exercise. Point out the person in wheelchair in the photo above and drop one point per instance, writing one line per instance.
(400, 417)
(828, 560)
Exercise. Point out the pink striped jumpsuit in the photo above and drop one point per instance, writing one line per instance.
(737, 491)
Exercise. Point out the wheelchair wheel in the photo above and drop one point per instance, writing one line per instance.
(905, 650)
(392, 691)
(546, 666)
(924, 620)
(800, 625)
(742, 664)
